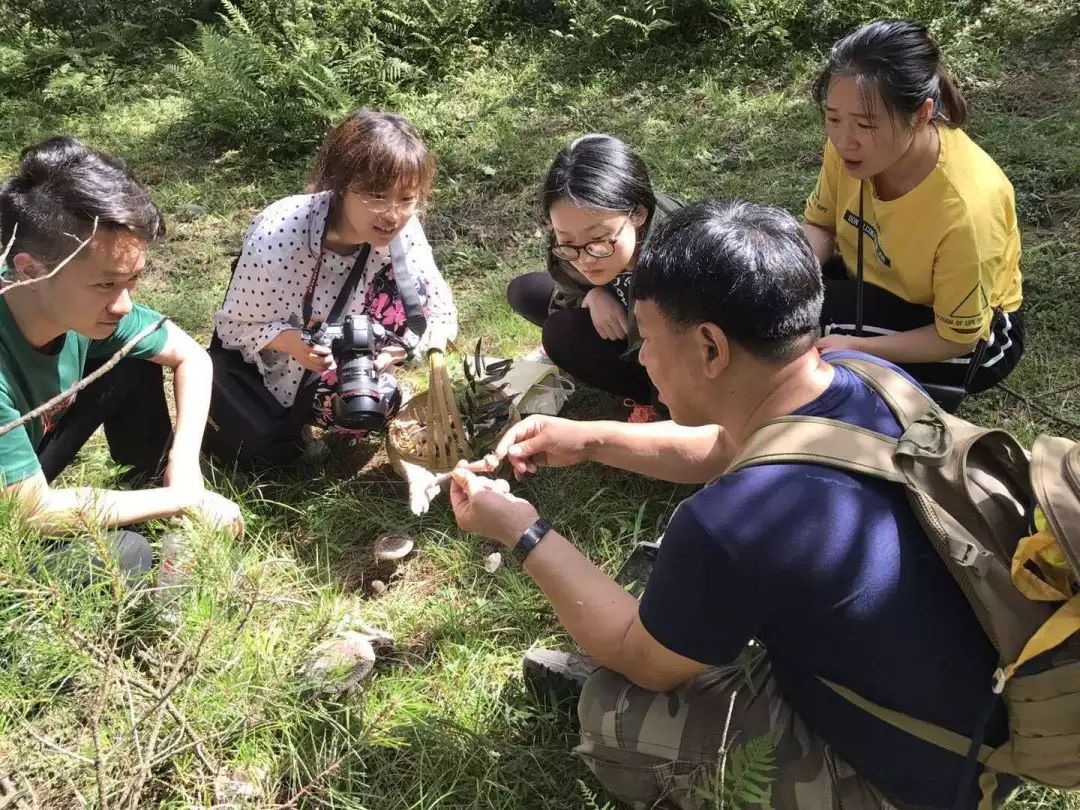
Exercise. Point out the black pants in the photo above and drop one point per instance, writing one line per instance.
(81, 560)
(885, 313)
(574, 345)
(130, 402)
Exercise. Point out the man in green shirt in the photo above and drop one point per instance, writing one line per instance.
(57, 326)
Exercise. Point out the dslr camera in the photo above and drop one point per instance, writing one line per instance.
(364, 399)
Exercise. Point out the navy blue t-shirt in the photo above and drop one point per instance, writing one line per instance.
(832, 573)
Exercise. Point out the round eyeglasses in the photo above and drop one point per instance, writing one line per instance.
(381, 205)
(599, 249)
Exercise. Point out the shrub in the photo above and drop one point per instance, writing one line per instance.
(269, 80)
(747, 27)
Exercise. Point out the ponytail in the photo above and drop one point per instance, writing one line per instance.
(901, 60)
(951, 107)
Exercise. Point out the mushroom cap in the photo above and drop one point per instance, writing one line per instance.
(392, 546)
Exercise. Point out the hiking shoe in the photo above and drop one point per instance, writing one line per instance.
(557, 676)
(640, 413)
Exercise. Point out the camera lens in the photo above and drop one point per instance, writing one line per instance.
(359, 404)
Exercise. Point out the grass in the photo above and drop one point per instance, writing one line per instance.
(444, 721)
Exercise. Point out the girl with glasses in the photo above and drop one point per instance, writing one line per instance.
(358, 236)
(939, 246)
(600, 204)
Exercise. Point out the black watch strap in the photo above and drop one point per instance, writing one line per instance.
(530, 539)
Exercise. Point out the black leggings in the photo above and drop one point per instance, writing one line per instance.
(129, 401)
(885, 313)
(574, 345)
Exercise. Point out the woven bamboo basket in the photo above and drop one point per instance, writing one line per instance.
(408, 435)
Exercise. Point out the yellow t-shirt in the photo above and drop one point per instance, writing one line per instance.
(950, 243)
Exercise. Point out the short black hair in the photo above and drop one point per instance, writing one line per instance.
(56, 192)
(600, 171)
(747, 268)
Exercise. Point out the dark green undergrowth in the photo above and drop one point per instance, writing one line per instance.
(221, 122)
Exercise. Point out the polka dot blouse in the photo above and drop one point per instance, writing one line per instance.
(276, 264)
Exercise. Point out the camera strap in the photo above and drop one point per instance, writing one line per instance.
(859, 270)
(408, 288)
(347, 289)
(343, 297)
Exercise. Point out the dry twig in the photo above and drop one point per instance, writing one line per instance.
(123, 352)
(55, 747)
(28, 281)
(7, 247)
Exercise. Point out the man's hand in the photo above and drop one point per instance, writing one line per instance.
(485, 507)
(608, 315)
(539, 441)
(313, 358)
(219, 513)
(840, 343)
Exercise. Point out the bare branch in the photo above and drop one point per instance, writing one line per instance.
(54, 747)
(124, 351)
(27, 281)
(7, 247)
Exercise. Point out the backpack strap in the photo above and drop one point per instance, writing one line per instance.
(908, 402)
(1055, 479)
(814, 440)
(928, 732)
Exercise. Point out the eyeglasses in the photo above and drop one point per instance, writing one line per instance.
(381, 205)
(600, 249)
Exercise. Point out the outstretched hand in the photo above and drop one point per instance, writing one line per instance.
(539, 441)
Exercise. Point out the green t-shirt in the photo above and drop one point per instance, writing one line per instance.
(29, 377)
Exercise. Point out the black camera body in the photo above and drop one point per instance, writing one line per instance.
(364, 399)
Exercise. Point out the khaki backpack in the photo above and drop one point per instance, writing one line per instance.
(1007, 526)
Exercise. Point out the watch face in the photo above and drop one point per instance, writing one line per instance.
(529, 539)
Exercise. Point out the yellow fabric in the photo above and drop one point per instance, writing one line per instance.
(952, 242)
(1056, 629)
(1057, 580)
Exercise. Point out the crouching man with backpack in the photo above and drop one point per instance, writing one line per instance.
(799, 623)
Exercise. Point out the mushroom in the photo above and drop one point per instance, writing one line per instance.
(392, 547)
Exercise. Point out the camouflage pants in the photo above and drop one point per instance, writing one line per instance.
(663, 750)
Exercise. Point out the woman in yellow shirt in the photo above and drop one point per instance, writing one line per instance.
(939, 246)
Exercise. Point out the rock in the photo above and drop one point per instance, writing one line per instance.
(191, 212)
(492, 562)
(392, 547)
(340, 663)
(241, 786)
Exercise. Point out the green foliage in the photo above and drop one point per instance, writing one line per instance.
(444, 720)
(267, 79)
(747, 778)
(759, 31)
(428, 35)
(122, 21)
(273, 76)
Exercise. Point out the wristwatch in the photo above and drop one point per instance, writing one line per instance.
(530, 539)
